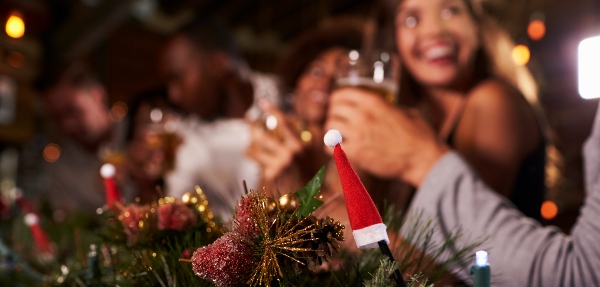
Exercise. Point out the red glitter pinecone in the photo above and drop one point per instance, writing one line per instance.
(226, 262)
(176, 216)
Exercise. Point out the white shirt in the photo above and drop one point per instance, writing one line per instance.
(212, 154)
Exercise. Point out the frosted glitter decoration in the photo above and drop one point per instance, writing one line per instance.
(226, 262)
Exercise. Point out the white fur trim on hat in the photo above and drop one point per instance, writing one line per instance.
(369, 236)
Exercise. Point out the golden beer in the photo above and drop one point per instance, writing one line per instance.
(387, 88)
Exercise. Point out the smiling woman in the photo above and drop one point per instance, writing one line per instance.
(454, 76)
(457, 81)
(292, 154)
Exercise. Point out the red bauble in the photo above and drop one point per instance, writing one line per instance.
(226, 262)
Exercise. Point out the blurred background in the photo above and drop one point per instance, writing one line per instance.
(123, 40)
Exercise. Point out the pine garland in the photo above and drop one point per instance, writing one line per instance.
(153, 258)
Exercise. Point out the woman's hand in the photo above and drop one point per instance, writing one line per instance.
(276, 149)
(382, 139)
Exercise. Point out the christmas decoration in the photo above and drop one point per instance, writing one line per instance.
(276, 236)
(265, 237)
(39, 236)
(269, 243)
(288, 203)
(271, 206)
(226, 262)
(367, 226)
(365, 220)
(139, 222)
(176, 216)
(481, 270)
(108, 171)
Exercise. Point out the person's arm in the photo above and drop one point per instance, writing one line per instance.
(521, 252)
(591, 158)
(276, 151)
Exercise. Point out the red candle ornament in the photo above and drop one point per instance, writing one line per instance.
(108, 171)
(366, 223)
(39, 236)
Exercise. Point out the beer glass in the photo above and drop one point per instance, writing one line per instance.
(377, 72)
(162, 136)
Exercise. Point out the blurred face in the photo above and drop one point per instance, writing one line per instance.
(191, 84)
(437, 40)
(314, 85)
(79, 112)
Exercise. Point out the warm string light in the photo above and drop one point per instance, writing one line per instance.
(536, 29)
(15, 26)
(118, 111)
(51, 152)
(549, 210)
(521, 54)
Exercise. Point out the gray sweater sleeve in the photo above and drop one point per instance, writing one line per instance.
(521, 251)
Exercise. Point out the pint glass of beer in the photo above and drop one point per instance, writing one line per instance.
(377, 72)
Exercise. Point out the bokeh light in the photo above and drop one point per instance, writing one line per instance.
(306, 136)
(118, 111)
(51, 152)
(589, 68)
(549, 210)
(15, 59)
(15, 27)
(536, 29)
(520, 54)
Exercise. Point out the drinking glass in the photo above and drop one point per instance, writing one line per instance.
(376, 71)
(162, 136)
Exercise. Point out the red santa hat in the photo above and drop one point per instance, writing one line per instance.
(365, 220)
(39, 236)
(108, 171)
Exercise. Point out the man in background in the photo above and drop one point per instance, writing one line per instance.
(77, 103)
(208, 78)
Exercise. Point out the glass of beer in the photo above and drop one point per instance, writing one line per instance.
(377, 72)
(161, 136)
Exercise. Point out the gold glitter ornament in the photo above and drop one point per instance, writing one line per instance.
(289, 202)
(271, 206)
(280, 237)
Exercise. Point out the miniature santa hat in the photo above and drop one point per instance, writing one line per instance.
(366, 223)
(108, 171)
(39, 236)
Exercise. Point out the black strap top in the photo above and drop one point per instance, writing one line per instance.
(529, 189)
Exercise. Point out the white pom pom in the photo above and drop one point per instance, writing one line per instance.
(31, 219)
(332, 138)
(107, 170)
